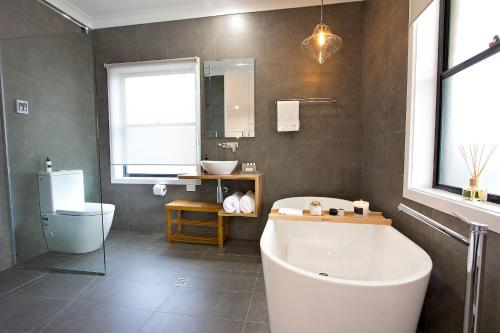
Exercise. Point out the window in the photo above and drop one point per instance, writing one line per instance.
(154, 120)
(452, 77)
(468, 81)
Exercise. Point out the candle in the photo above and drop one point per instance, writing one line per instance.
(361, 208)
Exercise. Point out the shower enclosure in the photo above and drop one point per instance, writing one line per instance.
(48, 111)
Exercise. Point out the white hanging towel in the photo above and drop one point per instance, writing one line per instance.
(247, 203)
(232, 203)
(288, 116)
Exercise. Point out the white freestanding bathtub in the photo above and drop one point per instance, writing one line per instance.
(373, 278)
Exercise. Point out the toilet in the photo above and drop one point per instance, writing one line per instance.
(69, 223)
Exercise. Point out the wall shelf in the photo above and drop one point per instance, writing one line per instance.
(257, 178)
(222, 220)
(224, 213)
(233, 176)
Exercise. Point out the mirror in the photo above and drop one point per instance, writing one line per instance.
(229, 98)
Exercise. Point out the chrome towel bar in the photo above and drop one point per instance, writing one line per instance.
(310, 100)
(439, 227)
(475, 262)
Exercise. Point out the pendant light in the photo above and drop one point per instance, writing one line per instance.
(322, 43)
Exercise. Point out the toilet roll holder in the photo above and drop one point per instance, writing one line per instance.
(160, 190)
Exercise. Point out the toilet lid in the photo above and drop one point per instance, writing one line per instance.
(89, 209)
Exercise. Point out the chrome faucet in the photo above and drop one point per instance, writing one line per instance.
(229, 145)
(221, 191)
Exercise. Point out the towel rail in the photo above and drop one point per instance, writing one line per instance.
(310, 100)
(475, 262)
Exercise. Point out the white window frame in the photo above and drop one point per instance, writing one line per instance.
(419, 148)
(117, 172)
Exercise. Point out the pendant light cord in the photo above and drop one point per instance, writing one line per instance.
(321, 11)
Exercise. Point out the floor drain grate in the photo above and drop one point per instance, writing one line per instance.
(180, 282)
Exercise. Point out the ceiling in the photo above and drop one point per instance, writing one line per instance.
(109, 13)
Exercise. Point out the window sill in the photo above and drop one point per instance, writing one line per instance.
(449, 203)
(154, 180)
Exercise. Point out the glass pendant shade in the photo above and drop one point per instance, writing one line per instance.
(321, 44)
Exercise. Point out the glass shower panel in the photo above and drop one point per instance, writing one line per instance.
(48, 110)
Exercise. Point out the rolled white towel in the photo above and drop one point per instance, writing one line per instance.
(232, 203)
(247, 203)
(291, 211)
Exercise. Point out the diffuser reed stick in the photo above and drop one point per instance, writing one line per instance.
(476, 157)
(473, 157)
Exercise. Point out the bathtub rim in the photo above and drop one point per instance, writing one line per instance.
(422, 273)
(311, 197)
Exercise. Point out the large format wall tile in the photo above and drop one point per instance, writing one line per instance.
(324, 158)
(384, 116)
(61, 96)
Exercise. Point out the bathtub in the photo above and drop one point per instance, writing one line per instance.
(373, 279)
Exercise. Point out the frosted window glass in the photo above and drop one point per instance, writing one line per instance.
(471, 115)
(160, 169)
(154, 116)
(160, 99)
(161, 145)
(473, 23)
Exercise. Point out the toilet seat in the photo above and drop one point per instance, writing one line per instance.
(89, 209)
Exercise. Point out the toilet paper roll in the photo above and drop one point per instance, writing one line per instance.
(160, 189)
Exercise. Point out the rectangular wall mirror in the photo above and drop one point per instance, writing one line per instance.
(229, 98)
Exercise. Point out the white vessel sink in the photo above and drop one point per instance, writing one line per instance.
(219, 167)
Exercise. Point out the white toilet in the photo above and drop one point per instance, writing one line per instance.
(70, 224)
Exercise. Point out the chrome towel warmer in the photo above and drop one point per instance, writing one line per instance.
(475, 262)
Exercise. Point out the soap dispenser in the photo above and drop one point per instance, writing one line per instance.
(48, 165)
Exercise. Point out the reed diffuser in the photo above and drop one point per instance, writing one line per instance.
(476, 157)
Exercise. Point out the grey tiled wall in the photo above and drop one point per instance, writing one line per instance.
(24, 18)
(5, 231)
(31, 29)
(323, 159)
(384, 109)
(54, 73)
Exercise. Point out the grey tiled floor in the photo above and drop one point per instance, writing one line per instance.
(224, 292)
(92, 262)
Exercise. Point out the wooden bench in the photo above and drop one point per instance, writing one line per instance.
(220, 222)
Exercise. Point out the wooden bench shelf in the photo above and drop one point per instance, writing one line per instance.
(195, 238)
(220, 222)
(194, 206)
(207, 223)
(222, 212)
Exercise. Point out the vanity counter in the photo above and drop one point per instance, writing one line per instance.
(233, 176)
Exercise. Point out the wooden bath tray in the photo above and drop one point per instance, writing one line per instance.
(349, 217)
